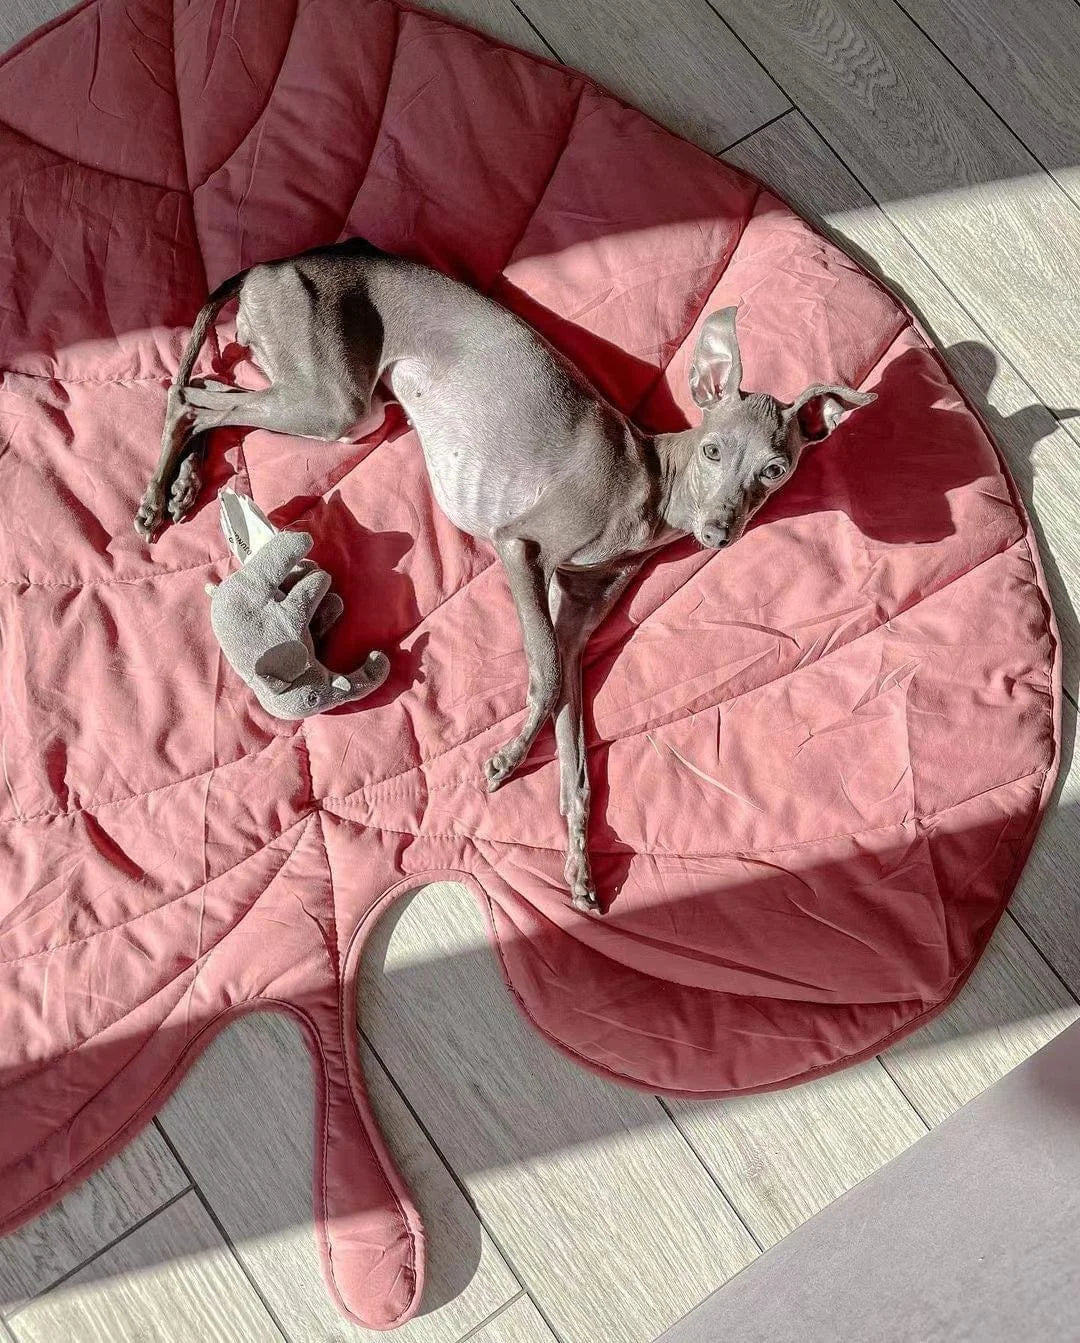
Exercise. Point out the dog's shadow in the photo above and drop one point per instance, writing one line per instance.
(892, 466)
(914, 508)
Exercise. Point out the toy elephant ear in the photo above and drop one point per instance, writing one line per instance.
(279, 666)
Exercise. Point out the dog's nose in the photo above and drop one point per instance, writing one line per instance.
(714, 536)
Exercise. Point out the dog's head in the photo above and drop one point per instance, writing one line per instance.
(747, 446)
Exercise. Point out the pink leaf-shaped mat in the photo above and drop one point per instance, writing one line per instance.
(818, 760)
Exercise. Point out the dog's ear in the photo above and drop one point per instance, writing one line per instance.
(717, 368)
(819, 409)
(280, 666)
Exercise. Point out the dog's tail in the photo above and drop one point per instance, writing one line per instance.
(226, 290)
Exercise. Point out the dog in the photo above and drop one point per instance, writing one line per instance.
(519, 449)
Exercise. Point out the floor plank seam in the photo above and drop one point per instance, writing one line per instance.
(749, 134)
(539, 34)
(1003, 359)
(227, 1240)
(983, 98)
(878, 1059)
(735, 1211)
(881, 1058)
(753, 55)
(462, 1188)
(78, 1268)
(479, 1328)
(1072, 993)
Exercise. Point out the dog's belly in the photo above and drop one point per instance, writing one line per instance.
(476, 500)
(476, 479)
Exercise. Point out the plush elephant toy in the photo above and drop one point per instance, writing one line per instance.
(265, 614)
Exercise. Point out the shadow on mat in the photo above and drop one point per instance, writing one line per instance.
(492, 1096)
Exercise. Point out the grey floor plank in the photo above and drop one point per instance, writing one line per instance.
(131, 1186)
(1022, 59)
(682, 66)
(782, 1156)
(603, 1210)
(520, 1322)
(497, 18)
(962, 188)
(172, 1280)
(1011, 1006)
(257, 1178)
(1044, 456)
(19, 17)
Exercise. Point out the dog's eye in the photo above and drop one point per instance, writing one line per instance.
(711, 450)
(776, 470)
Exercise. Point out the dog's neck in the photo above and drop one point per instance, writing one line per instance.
(671, 454)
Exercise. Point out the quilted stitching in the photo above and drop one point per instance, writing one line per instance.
(804, 721)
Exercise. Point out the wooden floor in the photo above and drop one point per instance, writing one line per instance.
(938, 140)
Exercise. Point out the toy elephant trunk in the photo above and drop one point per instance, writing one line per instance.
(264, 616)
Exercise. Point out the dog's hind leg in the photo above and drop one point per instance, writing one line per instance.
(284, 408)
(179, 448)
(179, 437)
(321, 378)
(194, 411)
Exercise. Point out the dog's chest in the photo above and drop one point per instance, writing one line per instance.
(628, 533)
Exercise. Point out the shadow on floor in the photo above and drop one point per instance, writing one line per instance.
(488, 1091)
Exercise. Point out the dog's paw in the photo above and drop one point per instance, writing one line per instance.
(185, 489)
(499, 768)
(150, 512)
(582, 891)
(583, 898)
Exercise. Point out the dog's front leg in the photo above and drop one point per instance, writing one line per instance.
(579, 601)
(574, 793)
(528, 586)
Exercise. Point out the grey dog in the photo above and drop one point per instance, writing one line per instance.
(520, 451)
